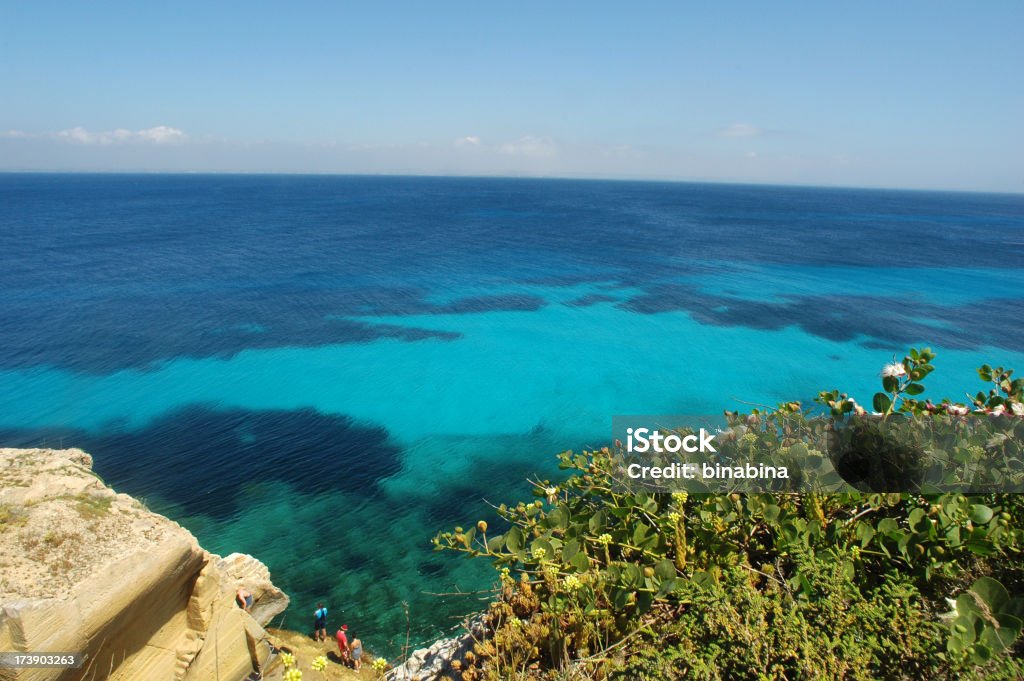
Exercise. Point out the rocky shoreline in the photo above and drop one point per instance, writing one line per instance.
(440, 659)
(84, 569)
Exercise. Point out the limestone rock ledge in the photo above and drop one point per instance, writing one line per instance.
(84, 569)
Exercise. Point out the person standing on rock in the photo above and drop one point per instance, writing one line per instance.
(320, 623)
(342, 643)
(356, 653)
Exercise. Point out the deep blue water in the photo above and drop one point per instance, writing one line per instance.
(325, 371)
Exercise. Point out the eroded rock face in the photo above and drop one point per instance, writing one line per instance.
(84, 569)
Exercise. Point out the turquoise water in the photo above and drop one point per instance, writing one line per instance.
(374, 363)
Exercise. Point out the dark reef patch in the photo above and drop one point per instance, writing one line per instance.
(591, 299)
(879, 322)
(418, 305)
(201, 458)
(100, 335)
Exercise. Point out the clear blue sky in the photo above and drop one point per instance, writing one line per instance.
(902, 94)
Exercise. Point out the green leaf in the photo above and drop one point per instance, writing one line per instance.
(980, 514)
(981, 654)
(914, 389)
(558, 518)
(953, 536)
(495, 543)
(665, 569)
(620, 598)
(580, 562)
(514, 540)
(865, 533)
(639, 533)
(632, 576)
(1001, 638)
(992, 592)
(597, 522)
(966, 624)
(1014, 607)
(881, 402)
(669, 586)
(890, 383)
(569, 551)
(887, 525)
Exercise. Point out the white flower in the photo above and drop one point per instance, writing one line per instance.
(857, 409)
(894, 370)
(998, 410)
(1017, 408)
(957, 410)
(952, 614)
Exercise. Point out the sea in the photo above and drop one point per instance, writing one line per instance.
(326, 371)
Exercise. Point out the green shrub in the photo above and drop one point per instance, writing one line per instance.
(604, 582)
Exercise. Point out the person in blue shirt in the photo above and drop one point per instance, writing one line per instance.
(320, 623)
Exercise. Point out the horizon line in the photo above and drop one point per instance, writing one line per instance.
(498, 176)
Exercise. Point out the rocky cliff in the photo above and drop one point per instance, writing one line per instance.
(84, 569)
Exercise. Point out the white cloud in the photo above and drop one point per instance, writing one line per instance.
(740, 130)
(529, 145)
(468, 141)
(160, 134)
(15, 134)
